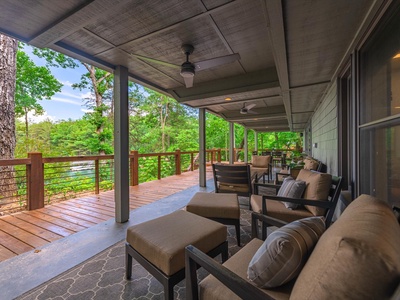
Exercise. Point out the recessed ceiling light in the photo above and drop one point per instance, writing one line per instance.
(228, 99)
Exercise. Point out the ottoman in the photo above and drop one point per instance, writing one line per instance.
(159, 245)
(220, 207)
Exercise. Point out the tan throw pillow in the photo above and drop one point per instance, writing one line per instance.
(291, 189)
(318, 186)
(284, 253)
(260, 161)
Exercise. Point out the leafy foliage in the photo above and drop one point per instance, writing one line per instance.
(33, 83)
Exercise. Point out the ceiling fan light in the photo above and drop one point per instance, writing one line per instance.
(187, 73)
(187, 69)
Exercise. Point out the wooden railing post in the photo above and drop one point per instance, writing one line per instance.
(35, 181)
(178, 162)
(234, 154)
(134, 168)
(212, 156)
(159, 167)
(219, 154)
(191, 162)
(96, 177)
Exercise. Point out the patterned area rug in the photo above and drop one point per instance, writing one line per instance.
(103, 276)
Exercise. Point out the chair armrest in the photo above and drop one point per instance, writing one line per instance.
(241, 287)
(268, 185)
(319, 203)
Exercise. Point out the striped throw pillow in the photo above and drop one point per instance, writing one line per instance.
(284, 253)
(291, 189)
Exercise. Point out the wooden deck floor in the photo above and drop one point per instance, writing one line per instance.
(25, 231)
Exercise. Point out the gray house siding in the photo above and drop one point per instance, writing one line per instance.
(325, 131)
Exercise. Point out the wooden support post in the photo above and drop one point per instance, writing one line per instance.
(191, 162)
(219, 154)
(96, 177)
(135, 168)
(35, 180)
(159, 167)
(178, 162)
(131, 167)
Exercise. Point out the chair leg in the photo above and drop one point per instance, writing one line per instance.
(237, 227)
(169, 291)
(128, 264)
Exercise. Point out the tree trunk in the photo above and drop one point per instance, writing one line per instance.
(8, 53)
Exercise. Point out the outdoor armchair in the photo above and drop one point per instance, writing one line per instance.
(331, 269)
(319, 197)
(260, 166)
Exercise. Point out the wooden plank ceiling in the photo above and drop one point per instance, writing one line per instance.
(289, 50)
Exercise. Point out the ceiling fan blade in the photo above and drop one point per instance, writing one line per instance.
(160, 62)
(217, 61)
(188, 81)
(250, 106)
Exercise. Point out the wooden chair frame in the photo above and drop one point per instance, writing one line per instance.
(232, 175)
(241, 287)
(330, 205)
(167, 281)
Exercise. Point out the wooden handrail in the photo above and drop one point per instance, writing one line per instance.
(35, 167)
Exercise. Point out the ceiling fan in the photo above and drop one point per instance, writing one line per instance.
(188, 69)
(247, 109)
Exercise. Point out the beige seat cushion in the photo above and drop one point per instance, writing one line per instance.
(277, 209)
(356, 258)
(233, 188)
(211, 288)
(257, 171)
(318, 186)
(311, 164)
(214, 205)
(260, 161)
(162, 241)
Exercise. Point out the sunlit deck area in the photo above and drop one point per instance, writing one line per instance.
(29, 230)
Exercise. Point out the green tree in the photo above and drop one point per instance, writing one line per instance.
(100, 83)
(33, 83)
(8, 48)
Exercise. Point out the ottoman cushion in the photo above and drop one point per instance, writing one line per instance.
(214, 205)
(162, 241)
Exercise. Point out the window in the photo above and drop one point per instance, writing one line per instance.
(379, 128)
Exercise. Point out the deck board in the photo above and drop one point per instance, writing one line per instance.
(28, 230)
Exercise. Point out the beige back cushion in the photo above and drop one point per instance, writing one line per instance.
(310, 164)
(356, 258)
(318, 186)
(260, 161)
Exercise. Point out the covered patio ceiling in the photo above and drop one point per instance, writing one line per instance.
(289, 50)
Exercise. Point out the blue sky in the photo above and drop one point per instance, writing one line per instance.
(67, 104)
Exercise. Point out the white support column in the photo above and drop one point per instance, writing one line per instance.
(202, 147)
(121, 144)
(231, 142)
(246, 147)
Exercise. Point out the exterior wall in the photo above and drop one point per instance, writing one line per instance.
(325, 131)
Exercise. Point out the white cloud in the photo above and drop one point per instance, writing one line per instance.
(87, 110)
(65, 100)
(37, 119)
(66, 83)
